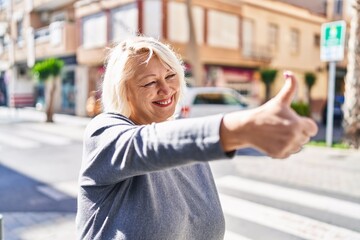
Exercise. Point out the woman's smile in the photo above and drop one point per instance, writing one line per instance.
(165, 102)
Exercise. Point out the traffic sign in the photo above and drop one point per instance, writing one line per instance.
(332, 41)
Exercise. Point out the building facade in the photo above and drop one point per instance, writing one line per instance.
(33, 30)
(235, 40)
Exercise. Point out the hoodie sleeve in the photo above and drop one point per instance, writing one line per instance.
(116, 149)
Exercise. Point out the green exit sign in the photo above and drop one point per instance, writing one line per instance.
(332, 41)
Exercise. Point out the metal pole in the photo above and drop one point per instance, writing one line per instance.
(12, 46)
(330, 104)
(1, 228)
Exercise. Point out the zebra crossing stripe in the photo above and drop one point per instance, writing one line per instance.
(302, 198)
(229, 235)
(290, 223)
(43, 137)
(18, 142)
(26, 139)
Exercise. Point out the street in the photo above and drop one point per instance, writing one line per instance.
(315, 194)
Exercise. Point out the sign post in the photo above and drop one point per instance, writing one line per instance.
(332, 50)
(1, 228)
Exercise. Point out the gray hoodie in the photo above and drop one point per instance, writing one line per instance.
(150, 181)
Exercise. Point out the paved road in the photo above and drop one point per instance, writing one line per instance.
(313, 195)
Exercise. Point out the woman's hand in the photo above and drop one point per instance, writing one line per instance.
(273, 128)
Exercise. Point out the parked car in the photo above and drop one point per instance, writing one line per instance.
(202, 101)
(338, 112)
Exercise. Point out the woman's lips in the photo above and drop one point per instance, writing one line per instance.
(164, 102)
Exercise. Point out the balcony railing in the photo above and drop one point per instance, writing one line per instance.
(42, 34)
(56, 39)
(257, 52)
(53, 33)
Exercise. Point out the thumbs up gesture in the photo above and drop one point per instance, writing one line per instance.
(273, 128)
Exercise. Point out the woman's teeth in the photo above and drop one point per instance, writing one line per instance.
(165, 102)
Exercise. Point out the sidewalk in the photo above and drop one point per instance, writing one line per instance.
(8, 115)
(66, 125)
(329, 171)
(42, 225)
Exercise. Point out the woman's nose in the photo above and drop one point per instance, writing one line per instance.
(164, 88)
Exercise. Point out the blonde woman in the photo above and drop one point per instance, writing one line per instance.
(145, 175)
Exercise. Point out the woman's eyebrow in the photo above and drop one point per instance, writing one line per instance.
(146, 76)
(142, 77)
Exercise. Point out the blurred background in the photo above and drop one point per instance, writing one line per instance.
(52, 56)
(235, 42)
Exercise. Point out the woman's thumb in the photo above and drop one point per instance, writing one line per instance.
(288, 91)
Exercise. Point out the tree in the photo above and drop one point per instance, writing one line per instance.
(351, 106)
(48, 70)
(193, 49)
(268, 77)
(310, 79)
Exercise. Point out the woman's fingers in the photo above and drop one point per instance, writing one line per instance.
(309, 126)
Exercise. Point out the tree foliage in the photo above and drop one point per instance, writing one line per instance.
(310, 79)
(43, 70)
(301, 108)
(268, 76)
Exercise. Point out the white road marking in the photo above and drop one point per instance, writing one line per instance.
(302, 198)
(27, 139)
(17, 142)
(229, 235)
(44, 137)
(299, 226)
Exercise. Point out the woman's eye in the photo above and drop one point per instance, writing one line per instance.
(171, 76)
(149, 84)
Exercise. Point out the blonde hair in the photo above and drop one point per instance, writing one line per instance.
(121, 63)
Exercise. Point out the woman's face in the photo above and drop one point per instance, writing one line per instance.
(153, 92)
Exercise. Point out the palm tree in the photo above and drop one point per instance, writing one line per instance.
(48, 70)
(193, 49)
(352, 83)
(268, 77)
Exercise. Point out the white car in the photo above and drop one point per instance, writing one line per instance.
(203, 101)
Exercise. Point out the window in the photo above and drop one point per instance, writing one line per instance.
(294, 41)
(152, 19)
(94, 31)
(2, 44)
(247, 37)
(273, 36)
(124, 22)
(223, 29)
(317, 40)
(178, 26)
(2, 4)
(338, 7)
(19, 30)
(59, 16)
